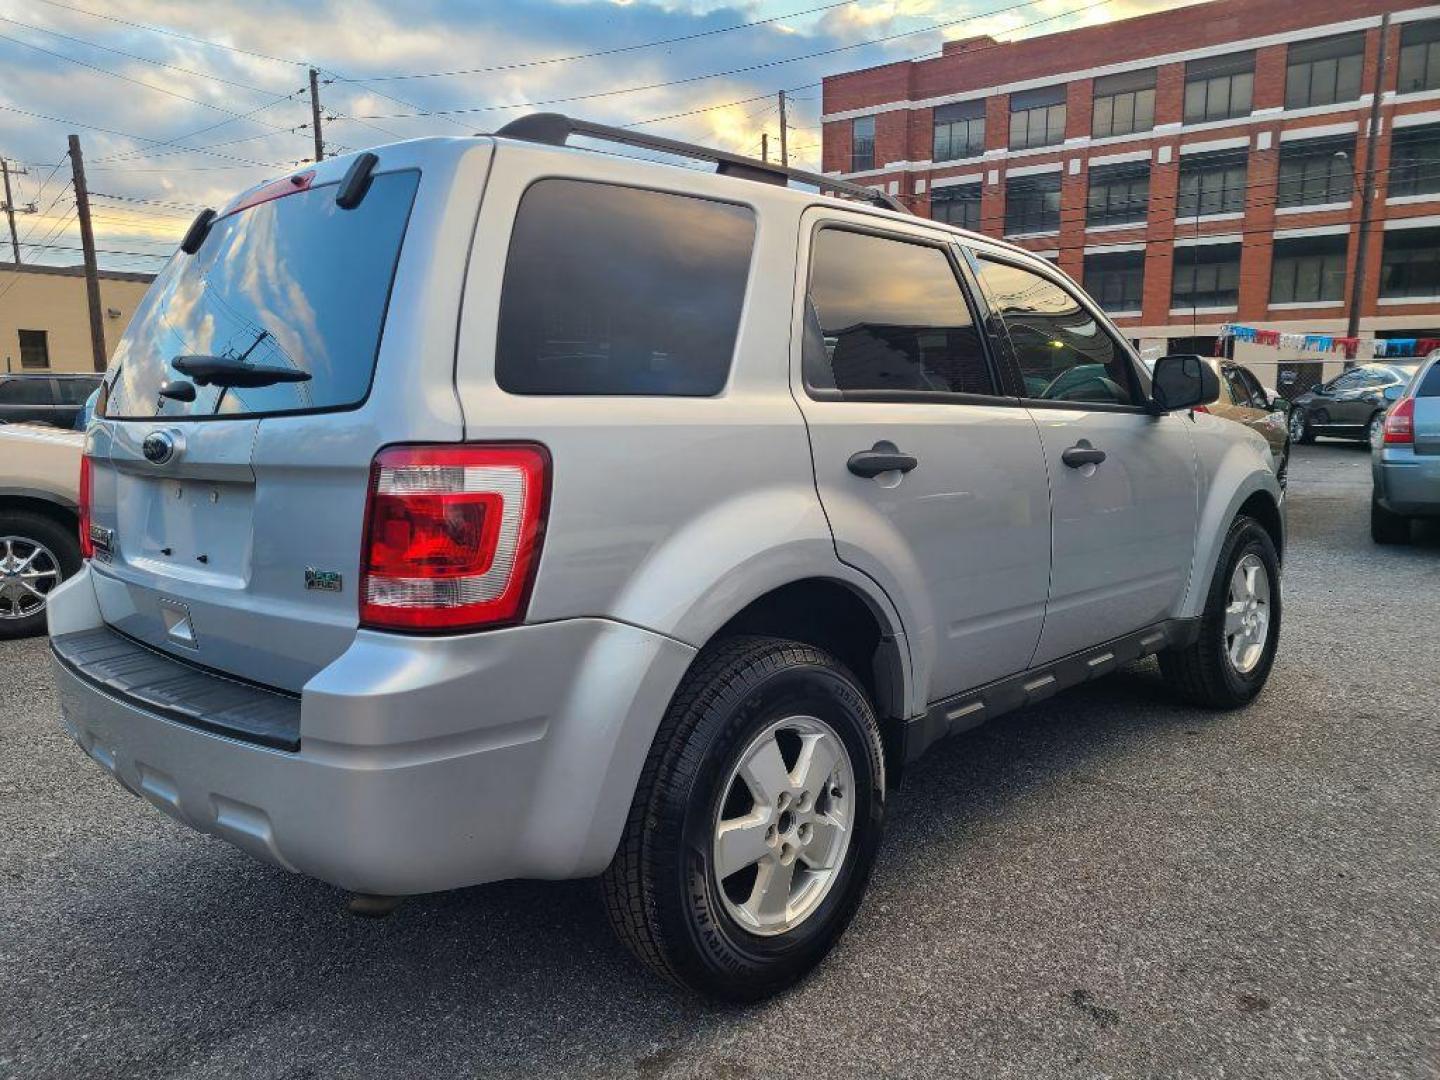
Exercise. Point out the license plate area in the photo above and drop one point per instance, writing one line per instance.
(194, 528)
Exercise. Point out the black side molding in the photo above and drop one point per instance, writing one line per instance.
(357, 181)
(184, 693)
(962, 712)
(199, 229)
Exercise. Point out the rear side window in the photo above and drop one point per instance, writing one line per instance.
(1430, 384)
(1064, 353)
(619, 290)
(887, 315)
(76, 391)
(296, 282)
(26, 392)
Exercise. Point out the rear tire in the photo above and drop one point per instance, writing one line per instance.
(664, 891)
(39, 553)
(1386, 526)
(1220, 671)
(1375, 429)
(1300, 430)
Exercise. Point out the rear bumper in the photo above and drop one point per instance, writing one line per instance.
(424, 763)
(1407, 482)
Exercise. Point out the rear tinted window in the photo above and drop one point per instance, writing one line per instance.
(26, 392)
(76, 391)
(1430, 383)
(616, 290)
(296, 282)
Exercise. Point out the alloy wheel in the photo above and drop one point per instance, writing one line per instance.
(784, 825)
(1376, 431)
(1247, 614)
(1297, 425)
(28, 572)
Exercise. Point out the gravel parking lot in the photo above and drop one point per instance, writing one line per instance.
(1104, 885)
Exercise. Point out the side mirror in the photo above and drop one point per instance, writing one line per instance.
(1182, 382)
(1394, 393)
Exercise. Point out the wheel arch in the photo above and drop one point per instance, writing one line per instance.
(1234, 491)
(28, 502)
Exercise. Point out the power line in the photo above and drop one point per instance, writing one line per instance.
(172, 33)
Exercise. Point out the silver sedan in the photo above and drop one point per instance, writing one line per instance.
(1405, 457)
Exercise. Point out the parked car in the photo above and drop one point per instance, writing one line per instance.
(1349, 406)
(544, 513)
(1405, 460)
(39, 546)
(1245, 401)
(50, 398)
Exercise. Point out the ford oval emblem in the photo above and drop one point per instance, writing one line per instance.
(158, 447)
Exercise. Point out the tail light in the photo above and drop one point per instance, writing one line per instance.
(87, 483)
(1201, 408)
(1400, 423)
(452, 536)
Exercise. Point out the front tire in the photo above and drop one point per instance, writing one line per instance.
(1386, 526)
(741, 864)
(1300, 430)
(36, 554)
(1240, 629)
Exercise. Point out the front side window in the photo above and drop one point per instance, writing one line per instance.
(1206, 276)
(1212, 183)
(1410, 263)
(1324, 72)
(1118, 194)
(1116, 279)
(1308, 269)
(1063, 351)
(1415, 161)
(295, 282)
(862, 143)
(1124, 104)
(1032, 203)
(1037, 118)
(888, 315)
(1219, 87)
(619, 290)
(957, 204)
(1419, 56)
(960, 130)
(1316, 171)
(34, 349)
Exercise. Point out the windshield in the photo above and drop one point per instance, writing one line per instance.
(295, 283)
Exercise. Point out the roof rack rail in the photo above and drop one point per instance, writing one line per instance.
(554, 129)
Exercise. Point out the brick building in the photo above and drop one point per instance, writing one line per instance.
(1193, 167)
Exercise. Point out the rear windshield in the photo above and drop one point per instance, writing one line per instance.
(296, 283)
(1430, 384)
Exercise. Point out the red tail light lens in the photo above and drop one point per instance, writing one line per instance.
(87, 481)
(1400, 423)
(452, 536)
(1202, 408)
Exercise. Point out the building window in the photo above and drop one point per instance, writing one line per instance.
(862, 143)
(957, 204)
(1118, 194)
(1206, 276)
(1415, 161)
(1316, 171)
(1032, 203)
(34, 349)
(959, 130)
(1410, 263)
(1310, 268)
(1116, 279)
(1212, 183)
(1037, 117)
(1420, 56)
(1219, 87)
(1325, 71)
(1124, 103)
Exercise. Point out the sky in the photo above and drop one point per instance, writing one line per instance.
(179, 105)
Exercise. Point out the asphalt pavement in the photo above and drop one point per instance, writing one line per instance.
(1105, 885)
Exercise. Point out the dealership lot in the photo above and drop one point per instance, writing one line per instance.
(1104, 885)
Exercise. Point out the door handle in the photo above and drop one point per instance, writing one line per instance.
(1082, 453)
(882, 458)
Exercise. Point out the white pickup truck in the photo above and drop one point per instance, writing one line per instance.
(39, 544)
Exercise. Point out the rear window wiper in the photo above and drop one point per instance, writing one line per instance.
(234, 371)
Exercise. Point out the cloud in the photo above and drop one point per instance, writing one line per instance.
(358, 43)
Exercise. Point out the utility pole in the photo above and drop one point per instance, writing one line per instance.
(10, 206)
(764, 156)
(99, 356)
(784, 145)
(1367, 190)
(315, 115)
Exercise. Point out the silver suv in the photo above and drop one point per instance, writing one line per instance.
(483, 508)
